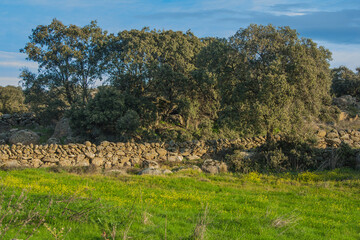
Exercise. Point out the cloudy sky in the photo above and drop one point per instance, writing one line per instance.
(334, 24)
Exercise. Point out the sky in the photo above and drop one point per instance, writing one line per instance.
(334, 24)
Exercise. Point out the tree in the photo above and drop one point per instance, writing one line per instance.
(158, 67)
(12, 100)
(270, 80)
(70, 58)
(345, 82)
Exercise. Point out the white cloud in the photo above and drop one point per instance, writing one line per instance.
(4, 81)
(15, 60)
(343, 54)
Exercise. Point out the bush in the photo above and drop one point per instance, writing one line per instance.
(12, 100)
(241, 161)
(129, 122)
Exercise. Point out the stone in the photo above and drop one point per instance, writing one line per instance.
(213, 166)
(161, 152)
(53, 141)
(193, 157)
(62, 129)
(186, 168)
(35, 163)
(335, 141)
(90, 155)
(332, 135)
(11, 164)
(321, 133)
(345, 136)
(97, 161)
(166, 171)
(4, 127)
(150, 164)
(50, 160)
(25, 137)
(83, 163)
(65, 163)
(150, 155)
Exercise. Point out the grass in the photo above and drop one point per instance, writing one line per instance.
(185, 205)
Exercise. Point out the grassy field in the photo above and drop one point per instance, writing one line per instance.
(187, 205)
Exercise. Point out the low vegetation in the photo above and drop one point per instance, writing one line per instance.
(187, 205)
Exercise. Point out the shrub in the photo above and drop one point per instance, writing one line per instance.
(241, 161)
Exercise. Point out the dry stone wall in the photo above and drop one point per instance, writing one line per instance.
(117, 155)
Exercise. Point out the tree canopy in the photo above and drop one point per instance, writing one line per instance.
(263, 79)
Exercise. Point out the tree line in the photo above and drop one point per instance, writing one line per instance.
(173, 85)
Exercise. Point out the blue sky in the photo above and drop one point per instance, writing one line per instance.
(334, 24)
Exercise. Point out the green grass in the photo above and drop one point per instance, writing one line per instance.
(323, 205)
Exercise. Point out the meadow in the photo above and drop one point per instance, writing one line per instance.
(58, 204)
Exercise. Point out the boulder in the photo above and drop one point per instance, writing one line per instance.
(154, 171)
(321, 133)
(4, 126)
(25, 137)
(213, 166)
(11, 164)
(62, 129)
(186, 168)
(150, 164)
(151, 171)
(97, 161)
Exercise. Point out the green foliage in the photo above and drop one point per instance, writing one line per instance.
(241, 162)
(262, 80)
(345, 82)
(100, 114)
(129, 122)
(12, 100)
(288, 155)
(70, 60)
(269, 79)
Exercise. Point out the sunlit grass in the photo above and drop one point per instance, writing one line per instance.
(307, 205)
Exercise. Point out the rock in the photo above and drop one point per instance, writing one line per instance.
(98, 161)
(175, 158)
(4, 126)
(25, 137)
(166, 171)
(332, 134)
(83, 163)
(151, 171)
(335, 141)
(90, 155)
(65, 163)
(343, 116)
(213, 166)
(62, 129)
(162, 152)
(345, 137)
(193, 157)
(11, 164)
(150, 155)
(186, 168)
(150, 164)
(50, 160)
(36, 163)
(53, 141)
(321, 133)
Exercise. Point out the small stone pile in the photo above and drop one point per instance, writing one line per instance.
(334, 138)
